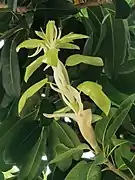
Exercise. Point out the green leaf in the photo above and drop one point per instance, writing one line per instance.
(40, 34)
(77, 59)
(130, 165)
(70, 38)
(79, 172)
(33, 67)
(50, 30)
(3, 166)
(52, 57)
(123, 152)
(63, 136)
(66, 163)
(94, 172)
(30, 92)
(30, 44)
(117, 142)
(32, 164)
(100, 129)
(73, 137)
(68, 46)
(94, 91)
(70, 132)
(115, 44)
(84, 171)
(2, 176)
(10, 68)
(100, 159)
(118, 117)
(96, 118)
(69, 153)
(112, 93)
(23, 140)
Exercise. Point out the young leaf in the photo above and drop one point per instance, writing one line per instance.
(68, 46)
(94, 91)
(77, 59)
(50, 30)
(52, 57)
(30, 92)
(30, 44)
(33, 66)
(70, 38)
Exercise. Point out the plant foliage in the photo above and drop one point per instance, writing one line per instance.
(67, 88)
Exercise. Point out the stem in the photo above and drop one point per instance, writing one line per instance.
(117, 171)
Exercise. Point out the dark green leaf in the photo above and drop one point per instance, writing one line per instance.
(10, 68)
(130, 165)
(69, 153)
(123, 152)
(32, 164)
(23, 140)
(117, 119)
(79, 172)
(115, 45)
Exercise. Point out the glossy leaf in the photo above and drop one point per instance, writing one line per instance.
(77, 59)
(30, 92)
(10, 68)
(117, 119)
(79, 172)
(94, 91)
(69, 153)
(23, 140)
(115, 44)
(33, 67)
(30, 167)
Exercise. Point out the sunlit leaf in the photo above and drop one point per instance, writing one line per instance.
(70, 38)
(30, 92)
(50, 30)
(52, 57)
(30, 44)
(94, 91)
(33, 66)
(68, 46)
(77, 59)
